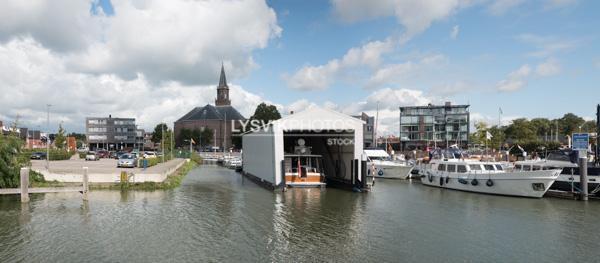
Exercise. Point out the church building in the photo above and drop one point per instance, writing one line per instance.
(218, 118)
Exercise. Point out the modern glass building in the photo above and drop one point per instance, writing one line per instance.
(434, 126)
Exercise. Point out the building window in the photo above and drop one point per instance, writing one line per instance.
(96, 121)
(97, 129)
(97, 137)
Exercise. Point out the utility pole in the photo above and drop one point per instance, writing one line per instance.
(48, 136)
(172, 141)
(162, 142)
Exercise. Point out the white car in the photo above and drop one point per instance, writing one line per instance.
(91, 156)
(149, 155)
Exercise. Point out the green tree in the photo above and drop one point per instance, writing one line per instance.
(157, 134)
(11, 160)
(266, 113)
(570, 123)
(184, 134)
(521, 130)
(206, 137)
(589, 126)
(478, 137)
(60, 140)
(541, 126)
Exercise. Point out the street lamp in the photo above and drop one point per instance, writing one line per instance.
(48, 136)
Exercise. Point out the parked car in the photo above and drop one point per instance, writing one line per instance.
(118, 154)
(92, 156)
(149, 155)
(38, 156)
(103, 154)
(126, 160)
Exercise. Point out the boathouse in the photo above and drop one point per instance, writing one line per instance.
(337, 137)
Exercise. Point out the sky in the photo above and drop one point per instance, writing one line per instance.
(157, 60)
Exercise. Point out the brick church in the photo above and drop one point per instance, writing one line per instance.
(219, 118)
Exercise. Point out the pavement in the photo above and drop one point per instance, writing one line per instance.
(103, 170)
(108, 166)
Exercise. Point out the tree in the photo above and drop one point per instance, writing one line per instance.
(521, 130)
(60, 140)
(541, 126)
(570, 123)
(478, 137)
(157, 134)
(11, 160)
(266, 113)
(206, 137)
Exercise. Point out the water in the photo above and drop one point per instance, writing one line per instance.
(216, 215)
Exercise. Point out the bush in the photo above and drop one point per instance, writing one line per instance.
(55, 154)
(11, 161)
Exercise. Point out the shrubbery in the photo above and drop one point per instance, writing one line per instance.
(55, 154)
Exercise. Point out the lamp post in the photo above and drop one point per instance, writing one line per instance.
(48, 136)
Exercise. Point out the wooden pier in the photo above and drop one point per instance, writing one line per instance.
(24, 190)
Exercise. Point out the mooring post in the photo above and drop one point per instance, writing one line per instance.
(86, 186)
(583, 178)
(24, 185)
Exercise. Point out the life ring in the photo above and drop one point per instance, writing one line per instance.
(380, 173)
(441, 181)
(474, 182)
(489, 182)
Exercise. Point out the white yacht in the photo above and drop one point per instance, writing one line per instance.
(381, 165)
(569, 179)
(487, 177)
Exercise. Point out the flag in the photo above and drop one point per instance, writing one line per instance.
(193, 142)
(488, 135)
(520, 148)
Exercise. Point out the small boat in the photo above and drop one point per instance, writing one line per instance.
(381, 165)
(304, 170)
(487, 177)
(234, 163)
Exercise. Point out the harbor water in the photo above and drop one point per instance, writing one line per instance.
(217, 215)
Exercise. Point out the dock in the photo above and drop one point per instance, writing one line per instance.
(40, 190)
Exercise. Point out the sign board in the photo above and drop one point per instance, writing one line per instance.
(581, 141)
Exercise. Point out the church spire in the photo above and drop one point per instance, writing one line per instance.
(222, 90)
(222, 79)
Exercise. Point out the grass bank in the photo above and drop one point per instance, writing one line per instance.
(173, 181)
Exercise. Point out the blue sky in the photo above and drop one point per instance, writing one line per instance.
(486, 50)
(156, 60)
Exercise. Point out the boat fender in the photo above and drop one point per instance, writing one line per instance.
(356, 190)
(447, 179)
(474, 182)
(441, 181)
(489, 182)
(462, 181)
(430, 177)
(380, 173)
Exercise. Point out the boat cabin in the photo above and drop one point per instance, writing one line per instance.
(467, 167)
(304, 170)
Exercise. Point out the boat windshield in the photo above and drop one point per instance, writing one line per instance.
(307, 164)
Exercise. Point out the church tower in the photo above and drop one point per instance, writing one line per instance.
(222, 90)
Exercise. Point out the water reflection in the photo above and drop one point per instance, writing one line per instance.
(216, 215)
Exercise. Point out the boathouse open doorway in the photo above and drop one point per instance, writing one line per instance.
(336, 149)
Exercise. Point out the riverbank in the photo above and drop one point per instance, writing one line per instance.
(172, 181)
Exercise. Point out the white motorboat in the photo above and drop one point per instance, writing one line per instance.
(569, 179)
(487, 177)
(381, 165)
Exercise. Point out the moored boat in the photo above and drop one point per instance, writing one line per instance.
(304, 170)
(380, 165)
(487, 178)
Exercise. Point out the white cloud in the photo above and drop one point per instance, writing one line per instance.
(191, 37)
(415, 15)
(516, 80)
(395, 73)
(548, 68)
(37, 76)
(322, 76)
(454, 32)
